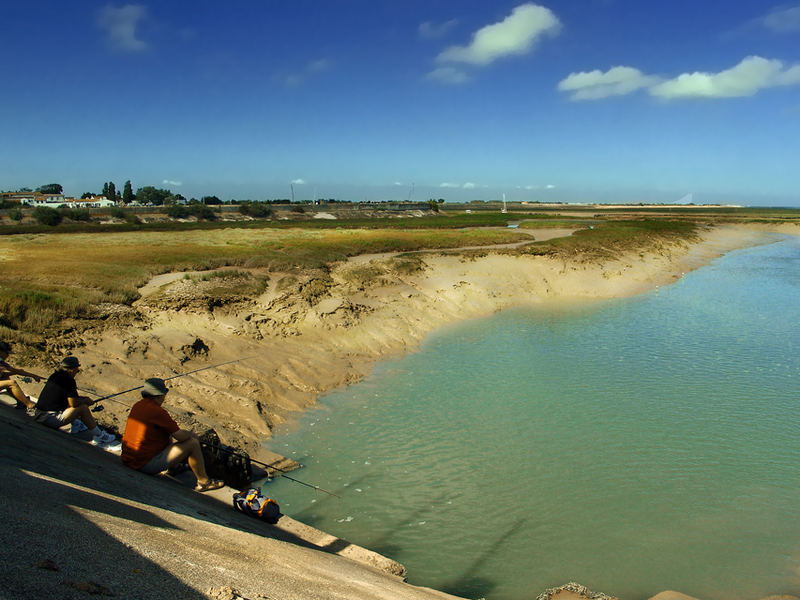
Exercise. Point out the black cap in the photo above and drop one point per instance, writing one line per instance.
(154, 387)
(70, 362)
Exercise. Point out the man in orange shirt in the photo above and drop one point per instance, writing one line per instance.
(148, 446)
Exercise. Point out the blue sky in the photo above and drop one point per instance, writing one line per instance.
(590, 100)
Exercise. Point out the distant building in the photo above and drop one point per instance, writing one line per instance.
(39, 199)
(17, 197)
(91, 202)
(55, 200)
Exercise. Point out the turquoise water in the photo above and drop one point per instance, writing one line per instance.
(633, 445)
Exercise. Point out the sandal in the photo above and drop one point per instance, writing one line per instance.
(211, 484)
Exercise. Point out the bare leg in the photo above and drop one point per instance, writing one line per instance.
(191, 450)
(81, 412)
(16, 391)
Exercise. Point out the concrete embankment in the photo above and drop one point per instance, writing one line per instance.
(77, 523)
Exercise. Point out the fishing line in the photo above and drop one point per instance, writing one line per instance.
(282, 471)
(138, 387)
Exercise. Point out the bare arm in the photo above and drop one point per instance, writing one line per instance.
(74, 402)
(15, 371)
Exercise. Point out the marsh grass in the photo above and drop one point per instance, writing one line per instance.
(609, 239)
(227, 274)
(49, 279)
(550, 222)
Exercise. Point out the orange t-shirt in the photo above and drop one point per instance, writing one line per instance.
(147, 432)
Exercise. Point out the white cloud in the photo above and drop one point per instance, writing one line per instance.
(429, 30)
(448, 75)
(298, 181)
(593, 85)
(515, 35)
(464, 186)
(120, 25)
(398, 183)
(750, 76)
(747, 78)
(783, 20)
(172, 182)
(549, 186)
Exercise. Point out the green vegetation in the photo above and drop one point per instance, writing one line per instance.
(227, 274)
(257, 210)
(50, 188)
(47, 216)
(127, 193)
(609, 239)
(182, 211)
(75, 214)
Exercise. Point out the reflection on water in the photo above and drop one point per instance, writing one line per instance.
(634, 446)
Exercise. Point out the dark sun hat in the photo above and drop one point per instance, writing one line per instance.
(70, 362)
(154, 387)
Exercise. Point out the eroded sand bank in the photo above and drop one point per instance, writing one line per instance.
(310, 333)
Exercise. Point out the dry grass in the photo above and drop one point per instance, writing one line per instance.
(48, 278)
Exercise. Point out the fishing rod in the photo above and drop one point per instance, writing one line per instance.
(133, 389)
(138, 387)
(282, 471)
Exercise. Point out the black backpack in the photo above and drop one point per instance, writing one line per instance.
(225, 462)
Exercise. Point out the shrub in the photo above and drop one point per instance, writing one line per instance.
(76, 214)
(117, 212)
(47, 216)
(201, 211)
(15, 214)
(177, 211)
(257, 210)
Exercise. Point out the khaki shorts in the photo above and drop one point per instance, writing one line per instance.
(49, 418)
(157, 464)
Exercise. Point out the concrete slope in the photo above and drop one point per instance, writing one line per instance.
(76, 523)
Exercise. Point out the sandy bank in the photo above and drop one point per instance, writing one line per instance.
(309, 333)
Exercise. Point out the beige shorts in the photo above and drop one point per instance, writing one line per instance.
(157, 464)
(50, 418)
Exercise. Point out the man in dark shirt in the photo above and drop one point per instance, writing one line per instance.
(60, 404)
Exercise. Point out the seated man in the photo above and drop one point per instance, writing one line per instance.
(147, 445)
(59, 404)
(6, 383)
